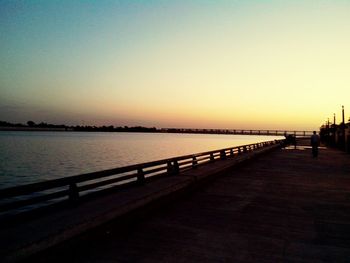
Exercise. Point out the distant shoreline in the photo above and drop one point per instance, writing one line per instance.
(33, 129)
(31, 126)
(68, 129)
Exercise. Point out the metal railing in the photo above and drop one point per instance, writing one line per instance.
(31, 196)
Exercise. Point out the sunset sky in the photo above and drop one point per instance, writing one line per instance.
(199, 64)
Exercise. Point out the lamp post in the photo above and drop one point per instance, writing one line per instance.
(342, 128)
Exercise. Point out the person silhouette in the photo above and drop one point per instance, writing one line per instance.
(315, 142)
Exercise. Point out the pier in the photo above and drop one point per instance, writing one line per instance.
(261, 202)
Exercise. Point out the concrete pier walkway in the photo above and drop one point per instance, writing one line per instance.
(284, 206)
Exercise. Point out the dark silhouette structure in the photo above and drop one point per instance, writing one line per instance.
(291, 140)
(315, 142)
(336, 135)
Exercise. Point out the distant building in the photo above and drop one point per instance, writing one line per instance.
(336, 135)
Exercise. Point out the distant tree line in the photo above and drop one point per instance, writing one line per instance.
(45, 125)
(111, 128)
(8, 124)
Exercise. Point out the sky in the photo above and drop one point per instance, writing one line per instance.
(186, 64)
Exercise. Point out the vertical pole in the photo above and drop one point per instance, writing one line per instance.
(343, 129)
(176, 167)
(222, 155)
(212, 157)
(194, 161)
(140, 176)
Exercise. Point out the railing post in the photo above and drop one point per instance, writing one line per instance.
(212, 157)
(231, 152)
(239, 150)
(223, 155)
(245, 149)
(73, 192)
(140, 176)
(194, 161)
(176, 167)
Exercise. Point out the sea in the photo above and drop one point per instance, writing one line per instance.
(34, 156)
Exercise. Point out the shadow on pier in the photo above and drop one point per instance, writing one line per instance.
(284, 206)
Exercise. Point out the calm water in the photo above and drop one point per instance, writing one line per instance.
(27, 157)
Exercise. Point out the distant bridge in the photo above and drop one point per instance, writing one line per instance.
(239, 131)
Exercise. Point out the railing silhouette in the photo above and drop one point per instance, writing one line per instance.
(70, 189)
